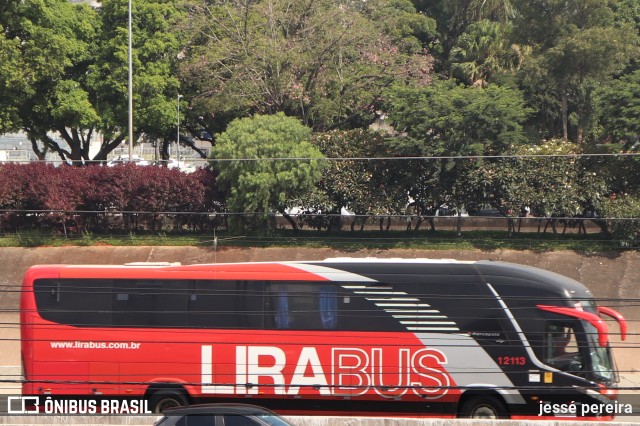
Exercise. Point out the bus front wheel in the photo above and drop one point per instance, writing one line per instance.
(483, 407)
(164, 399)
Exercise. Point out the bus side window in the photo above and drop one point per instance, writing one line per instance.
(150, 303)
(282, 315)
(225, 304)
(328, 306)
(303, 306)
(77, 302)
(561, 347)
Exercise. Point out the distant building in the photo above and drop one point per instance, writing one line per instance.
(15, 147)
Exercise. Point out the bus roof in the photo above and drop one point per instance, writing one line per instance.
(332, 269)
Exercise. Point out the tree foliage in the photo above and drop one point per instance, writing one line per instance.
(512, 77)
(96, 199)
(321, 61)
(264, 163)
(154, 62)
(623, 211)
(576, 47)
(50, 45)
(359, 178)
(445, 121)
(483, 51)
(619, 107)
(550, 179)
(75, 61)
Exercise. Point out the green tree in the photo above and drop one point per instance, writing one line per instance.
(322, 61)
(446, 121)
(455, 18)
(72, 62)
(482, 52)
(358, 178)
(619, 107)
(51, 42)
(407, 29)
(627, 12)
(621, 172)
(622, 212)
(264, 163)
(551, 178)
(155, 59)
(575, 48)
(11, 70)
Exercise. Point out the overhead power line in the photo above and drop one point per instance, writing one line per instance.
(438, 157)
(385, 158)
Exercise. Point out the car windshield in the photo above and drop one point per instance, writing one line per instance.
(272, 420)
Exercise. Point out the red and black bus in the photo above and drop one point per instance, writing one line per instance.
(346, 336)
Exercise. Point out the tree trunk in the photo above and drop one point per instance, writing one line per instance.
(565, 116)
(289, 219)
(164, 150)
(580, 135)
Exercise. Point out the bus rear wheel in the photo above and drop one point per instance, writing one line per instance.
(163, 399)
(483, 407)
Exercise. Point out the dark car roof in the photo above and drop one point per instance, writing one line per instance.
(218, 408)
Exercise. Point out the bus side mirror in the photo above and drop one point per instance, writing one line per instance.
(618, 317)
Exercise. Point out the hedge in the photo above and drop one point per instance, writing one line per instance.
(103, 199)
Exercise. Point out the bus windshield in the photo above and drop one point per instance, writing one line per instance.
(600, 356)
(601, 359)
(563, 347)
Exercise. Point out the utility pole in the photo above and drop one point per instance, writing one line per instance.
(130, 90)
(178, 130)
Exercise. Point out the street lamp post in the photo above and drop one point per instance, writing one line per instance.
(178, 131)
(130, 91)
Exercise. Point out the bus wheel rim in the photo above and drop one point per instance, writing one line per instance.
(484, 412)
